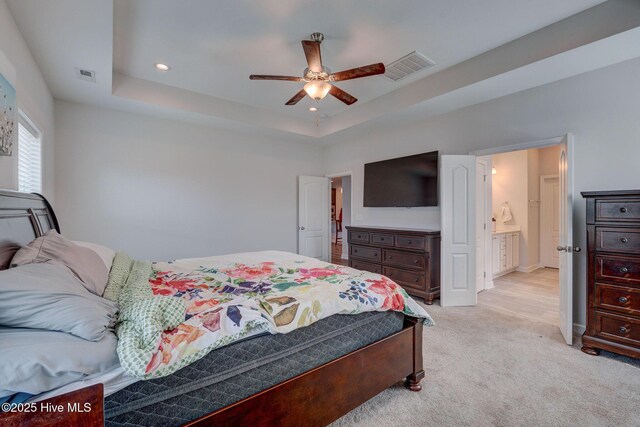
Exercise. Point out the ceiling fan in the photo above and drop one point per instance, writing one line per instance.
(319, 78)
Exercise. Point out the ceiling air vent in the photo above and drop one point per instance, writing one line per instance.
(407, 65)
(86, 75)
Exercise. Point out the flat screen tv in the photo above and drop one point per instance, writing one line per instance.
(403, 182)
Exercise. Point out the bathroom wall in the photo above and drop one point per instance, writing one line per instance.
(510, 185)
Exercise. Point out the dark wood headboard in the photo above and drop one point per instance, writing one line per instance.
(23, 217)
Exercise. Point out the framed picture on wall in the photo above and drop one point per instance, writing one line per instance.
(8, 123)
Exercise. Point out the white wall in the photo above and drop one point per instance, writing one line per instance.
(600, 108)
(33, 98)
(162, 189)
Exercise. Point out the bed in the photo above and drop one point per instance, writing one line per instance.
(265, 379)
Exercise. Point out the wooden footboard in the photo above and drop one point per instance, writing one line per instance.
(82, 407)
(314, 398)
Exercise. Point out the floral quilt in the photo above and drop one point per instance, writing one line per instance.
(227, 298)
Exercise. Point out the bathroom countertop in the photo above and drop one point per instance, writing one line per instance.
(507, 229)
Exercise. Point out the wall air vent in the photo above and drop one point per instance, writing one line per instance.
(86, 75)
(407, 65)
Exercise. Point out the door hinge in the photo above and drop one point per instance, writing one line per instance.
(485, 274)
(485, 178)
(485, 225)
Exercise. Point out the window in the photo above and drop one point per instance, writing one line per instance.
(29, 156)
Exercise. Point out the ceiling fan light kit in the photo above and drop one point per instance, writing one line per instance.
(317, 89)
(319, 78)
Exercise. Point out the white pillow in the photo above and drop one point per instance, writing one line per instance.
(106, 254)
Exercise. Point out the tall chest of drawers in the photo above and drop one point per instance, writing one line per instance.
(411, 258)
(613, 273)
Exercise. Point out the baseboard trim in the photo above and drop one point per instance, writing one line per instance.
(529, 269)
(579, 329)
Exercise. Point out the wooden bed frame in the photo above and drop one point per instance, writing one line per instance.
(314, 398)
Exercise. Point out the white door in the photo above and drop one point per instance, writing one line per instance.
(481, 224)
(313, 217)
(565, 248)
(458, 229)
(549, 221)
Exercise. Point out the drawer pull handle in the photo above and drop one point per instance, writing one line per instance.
(355, 251)
(375, 254)
(409, 242)
(415, 261)
(624, 270)
(359, 236)
(416, 280)
(622, 330)
(389, 257)
(624, 240)
(623, 300)
(623, 209)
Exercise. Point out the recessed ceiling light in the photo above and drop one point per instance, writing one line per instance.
(313, 109)
(162, 67)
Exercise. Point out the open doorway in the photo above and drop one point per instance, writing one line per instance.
(523, 231)
(523, 195)
(340, 217)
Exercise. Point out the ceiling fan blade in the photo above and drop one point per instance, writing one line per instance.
(297, 97)
(312, 52)
(268, 77)
(356, 73)
(342, 95)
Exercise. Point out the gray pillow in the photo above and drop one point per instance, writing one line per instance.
(34, 361)
(48, 296)
(85, 263)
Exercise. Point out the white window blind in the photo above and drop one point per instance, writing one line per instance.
(29, 157)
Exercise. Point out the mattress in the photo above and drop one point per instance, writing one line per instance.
(244, 368)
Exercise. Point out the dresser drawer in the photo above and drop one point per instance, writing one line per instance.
(403, 259)
(366, 266)
(404, 278)
(618, 298)
(618, 210)
(623, 240)
(411, 242)
(618, 269)
(382, 239)
(365, 252)
(358, 236)
(614, 327)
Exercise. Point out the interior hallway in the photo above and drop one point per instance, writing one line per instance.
(336, 254)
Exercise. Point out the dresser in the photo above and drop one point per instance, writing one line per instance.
(409, 257)
(613, 273)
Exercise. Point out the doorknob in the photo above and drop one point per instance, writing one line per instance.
(302, 228)
(561, 249)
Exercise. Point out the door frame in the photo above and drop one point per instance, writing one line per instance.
(340, 175)
(570, 141)
(543, 179)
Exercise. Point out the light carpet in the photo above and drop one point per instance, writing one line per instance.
(487, 368)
